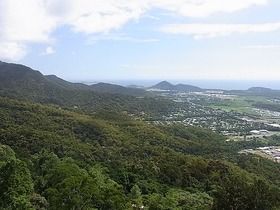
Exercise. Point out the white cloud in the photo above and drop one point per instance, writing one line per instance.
(105, 16)
(25, 21)
(48, 51)
(12, 51)
(214, 30)
(34, 21)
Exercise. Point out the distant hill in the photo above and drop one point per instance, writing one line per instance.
(183, 87)
(260, 89)
(164, 85)
(117, 89)
(255, 91)
(65, 84)
(99, 87)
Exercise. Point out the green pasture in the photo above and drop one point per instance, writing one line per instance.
(239, 103)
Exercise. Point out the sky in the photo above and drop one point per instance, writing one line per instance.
(95, 40)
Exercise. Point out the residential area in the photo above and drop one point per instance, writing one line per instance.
(228, 114)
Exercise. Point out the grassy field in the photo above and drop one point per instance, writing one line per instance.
(239, 104)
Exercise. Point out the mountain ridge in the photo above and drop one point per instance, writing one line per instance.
(12, 74)
(165, 85)
(69, 85)
(17, 76)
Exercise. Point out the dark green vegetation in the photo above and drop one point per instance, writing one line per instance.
(97, 156)
(57, 159)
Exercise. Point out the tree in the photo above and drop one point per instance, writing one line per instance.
(136, 196)
(16, 186)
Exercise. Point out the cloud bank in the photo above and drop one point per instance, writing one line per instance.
(23, 23)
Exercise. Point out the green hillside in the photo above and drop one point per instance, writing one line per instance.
(22, 83)
(57, 159)
(65, 147)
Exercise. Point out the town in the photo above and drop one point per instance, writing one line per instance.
(221, 112)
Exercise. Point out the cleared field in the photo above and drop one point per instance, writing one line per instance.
(239, 103)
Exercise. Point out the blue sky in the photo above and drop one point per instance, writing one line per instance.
(103, 40)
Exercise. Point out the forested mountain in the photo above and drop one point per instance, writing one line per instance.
(264, 91)
(11, 74)
(164, 85)
(259, 89)
(99, 87)
(18, 80)
(118, 89)
(68, 85)
(67, 148)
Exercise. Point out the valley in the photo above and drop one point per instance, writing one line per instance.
(72, 146)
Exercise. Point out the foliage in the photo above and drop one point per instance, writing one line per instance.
(16, 185)
(53, 158)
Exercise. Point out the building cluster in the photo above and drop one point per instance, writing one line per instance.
(195, 112)
(271, 152)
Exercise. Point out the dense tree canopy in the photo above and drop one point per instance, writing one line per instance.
(53, 158)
